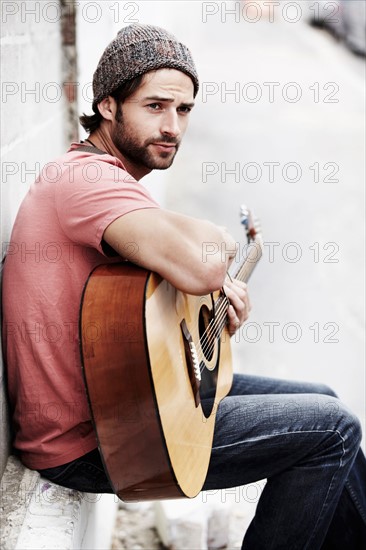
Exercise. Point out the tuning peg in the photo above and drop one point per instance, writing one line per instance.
(257, 225)
(244, 215)
(250, 222)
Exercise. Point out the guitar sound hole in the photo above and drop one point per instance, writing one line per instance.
(209, 345)
(206, 333)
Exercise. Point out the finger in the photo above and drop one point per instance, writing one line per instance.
(232, 289)
(235, 283)
(239, 286)
(236, 291)
(233, 321)
(238, 300)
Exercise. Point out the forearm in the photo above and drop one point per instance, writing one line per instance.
(191, 254)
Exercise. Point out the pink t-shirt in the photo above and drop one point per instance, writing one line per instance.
(55, 244)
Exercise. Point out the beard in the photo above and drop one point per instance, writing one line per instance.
(137, 151)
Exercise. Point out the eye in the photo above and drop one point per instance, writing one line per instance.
(184, 109)
(154, 106)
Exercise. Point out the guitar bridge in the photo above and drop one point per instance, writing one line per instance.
(192, 361)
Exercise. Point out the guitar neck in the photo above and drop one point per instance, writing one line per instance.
(255, 250)
(243, 273)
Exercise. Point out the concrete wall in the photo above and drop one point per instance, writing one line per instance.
(33, 110)
(33, 103)
(38, 121)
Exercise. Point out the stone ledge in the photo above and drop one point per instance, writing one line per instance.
(17, 485)
(38, 514)
(193, 523)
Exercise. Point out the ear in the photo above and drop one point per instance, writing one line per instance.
(108, 108)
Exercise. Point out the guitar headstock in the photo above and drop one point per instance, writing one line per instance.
(252, 227)
(254, 249)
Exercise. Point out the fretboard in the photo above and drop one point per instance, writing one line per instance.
(254, 254)
(243, 273)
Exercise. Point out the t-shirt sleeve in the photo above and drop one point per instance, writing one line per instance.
(94, 192)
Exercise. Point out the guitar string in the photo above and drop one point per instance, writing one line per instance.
(206, 339)
(213, 331)
(243, 273)
(217, 324)
(210, 340)
(206, 342)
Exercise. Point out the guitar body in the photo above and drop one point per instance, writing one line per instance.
(154, 423)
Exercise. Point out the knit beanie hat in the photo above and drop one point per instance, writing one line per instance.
(136, 50)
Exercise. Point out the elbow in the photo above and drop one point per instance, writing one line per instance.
(196, 276)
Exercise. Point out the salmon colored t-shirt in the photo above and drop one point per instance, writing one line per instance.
(55, 244)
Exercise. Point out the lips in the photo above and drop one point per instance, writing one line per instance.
(167, 147)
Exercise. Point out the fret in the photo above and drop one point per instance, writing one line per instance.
(255, 251)
(243, 273)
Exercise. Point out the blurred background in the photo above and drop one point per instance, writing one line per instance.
(279, 124)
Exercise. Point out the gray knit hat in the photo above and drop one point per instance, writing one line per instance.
(136, 50)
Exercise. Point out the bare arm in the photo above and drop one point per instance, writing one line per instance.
(193, 255)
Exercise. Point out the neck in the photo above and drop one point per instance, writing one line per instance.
(103, 141)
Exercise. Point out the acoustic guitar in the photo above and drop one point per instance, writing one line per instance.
(156, 364)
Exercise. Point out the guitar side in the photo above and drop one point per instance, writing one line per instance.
(154, 441)
(188, 433)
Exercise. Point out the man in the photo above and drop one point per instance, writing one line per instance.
(86, 209)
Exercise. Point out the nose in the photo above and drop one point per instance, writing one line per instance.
(170, 124)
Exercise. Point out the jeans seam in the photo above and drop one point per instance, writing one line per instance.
(69, 470)
(336, 432)
(252, 440)
(355, 500)
(331, 482)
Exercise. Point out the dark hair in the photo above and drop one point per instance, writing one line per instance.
(92, 122)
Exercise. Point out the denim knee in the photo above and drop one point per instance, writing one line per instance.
(350, 427)
(336, 417)
(324, 389)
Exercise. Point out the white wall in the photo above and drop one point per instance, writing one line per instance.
(32, 103)
(97, 27)
(32, 116)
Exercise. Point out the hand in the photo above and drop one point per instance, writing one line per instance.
(239, 308)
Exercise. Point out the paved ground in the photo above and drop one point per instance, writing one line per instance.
(135, 527)
(296, 158)
(312, 275)
(310, 281)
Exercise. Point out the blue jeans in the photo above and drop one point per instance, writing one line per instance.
(299, 437)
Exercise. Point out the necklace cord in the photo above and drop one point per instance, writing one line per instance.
(91, 143)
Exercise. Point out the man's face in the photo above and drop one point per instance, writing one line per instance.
(150, 124)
